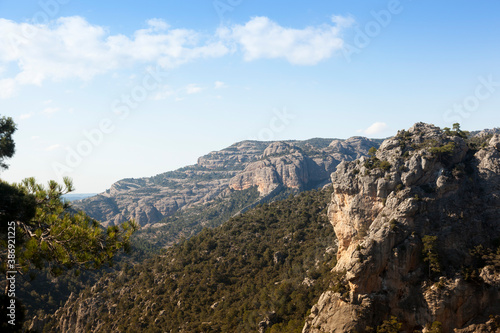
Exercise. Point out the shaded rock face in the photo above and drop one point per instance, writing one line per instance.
(294, 164)
(381, 216)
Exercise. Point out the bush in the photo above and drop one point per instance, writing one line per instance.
(390, 325)
(384, 165)
(443, 151)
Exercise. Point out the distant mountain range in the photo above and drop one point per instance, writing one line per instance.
(411, 232)
(271, 167)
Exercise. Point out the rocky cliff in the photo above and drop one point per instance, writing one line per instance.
(267, 165)
(418, 228)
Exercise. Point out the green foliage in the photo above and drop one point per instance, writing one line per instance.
(390, 325)
(197, 173)
(49, 234)
(430, 254)
(384, 165)
(477, 142)
(456, 131)
(482, 257)
(339, 283)
(7, 145)
(373, 163)
(233, 275)
(443, 151)
(435, 327)
(293, 326)
(189, 222)
(393, 224)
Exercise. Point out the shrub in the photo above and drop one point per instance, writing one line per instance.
(390, 325)
(442, 151)
(384, 165)
(430, 254)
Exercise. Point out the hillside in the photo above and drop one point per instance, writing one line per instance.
(192, 218)
(262, 268)
(417, 242)
(270, 166)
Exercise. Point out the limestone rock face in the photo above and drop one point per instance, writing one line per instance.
(294, 167)
(495, 141)
(431, 185)
(281, 164)
(267, 165)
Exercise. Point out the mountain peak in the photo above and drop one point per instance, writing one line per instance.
(425, 191)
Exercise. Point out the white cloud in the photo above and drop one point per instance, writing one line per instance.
(71, 47)
(47, 102)
(157, 24)
(50, 110)
(26, 116)
(53, 147)
(375, 128)
(7, 88)
(263, 38)
(163, 92)
(193, 89)
(343, 21)
(219, 84)
(35, 137)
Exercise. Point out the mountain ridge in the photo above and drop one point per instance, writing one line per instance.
(148, 200)
(416, 240)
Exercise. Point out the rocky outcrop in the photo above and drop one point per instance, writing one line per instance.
(267, 165)
(423, 192)
(281, 164)
(287, 164)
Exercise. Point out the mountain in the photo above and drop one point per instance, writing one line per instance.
(192, 218)
(262, 268)
(418, 230)
(271, 166)
(406, 239)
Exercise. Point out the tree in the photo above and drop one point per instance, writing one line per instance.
(430, 253)
(48, 233)
(436, 327)
(456, 131)
(390, 325)
(7, 146)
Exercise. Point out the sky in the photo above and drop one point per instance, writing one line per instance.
(106, 90)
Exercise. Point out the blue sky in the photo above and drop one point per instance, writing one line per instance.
(105, 90)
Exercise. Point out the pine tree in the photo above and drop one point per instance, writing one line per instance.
(48, 233)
